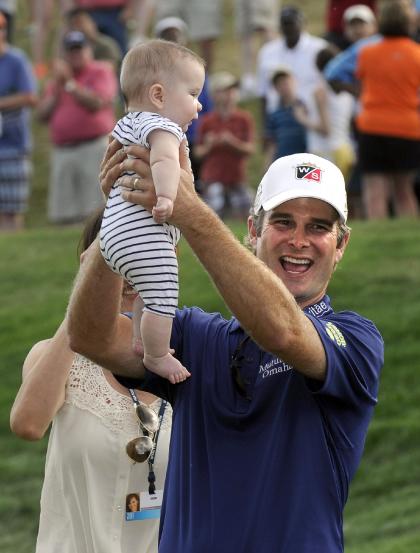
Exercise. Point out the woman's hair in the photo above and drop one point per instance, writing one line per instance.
(395, 18)
(90, 230)
(147, 62)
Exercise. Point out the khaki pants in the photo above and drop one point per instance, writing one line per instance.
(74, 190)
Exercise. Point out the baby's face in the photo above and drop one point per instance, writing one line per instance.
(182, 92)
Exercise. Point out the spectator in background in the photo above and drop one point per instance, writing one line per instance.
(359, 22)
(203, 19)
(339, 72)
(284, 133)
(225, 140)
(328, 119)
(78, 106)
(8, 9)
(111, 17)
(389, 121)
(175, 29)
(104, 47)
(254, 25)
(296, 49)
(336, 33)
(17, 94)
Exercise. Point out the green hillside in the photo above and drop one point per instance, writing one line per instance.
(379, 277)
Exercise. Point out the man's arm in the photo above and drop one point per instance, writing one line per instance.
(260, 301)
(96, 327)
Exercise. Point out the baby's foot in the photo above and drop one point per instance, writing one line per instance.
(166, 366)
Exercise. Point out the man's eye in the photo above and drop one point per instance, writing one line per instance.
(320, 228)
(281, 222)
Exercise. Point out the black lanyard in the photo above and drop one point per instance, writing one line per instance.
(151, 477)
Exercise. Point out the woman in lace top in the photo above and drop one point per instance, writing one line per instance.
(88, 473)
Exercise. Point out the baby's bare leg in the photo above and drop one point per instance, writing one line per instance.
(137, 342)
(156, 333)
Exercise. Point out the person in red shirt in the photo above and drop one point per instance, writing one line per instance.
(78, 105)
(225, 139)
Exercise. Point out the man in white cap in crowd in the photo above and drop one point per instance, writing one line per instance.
(270, 428)
(359, 22)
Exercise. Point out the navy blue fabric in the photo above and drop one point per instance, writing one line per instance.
(15, 77)
(269, 475)
(286, 132)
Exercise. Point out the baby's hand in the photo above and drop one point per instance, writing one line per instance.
(163, 209)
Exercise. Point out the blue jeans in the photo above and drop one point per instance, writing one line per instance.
(108, 21)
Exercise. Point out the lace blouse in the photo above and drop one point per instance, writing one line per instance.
(88, 473)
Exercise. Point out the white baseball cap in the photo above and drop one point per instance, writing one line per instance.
(170, 23)
(302, 176)
(359, 11)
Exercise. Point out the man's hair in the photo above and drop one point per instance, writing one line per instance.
(147, 62)
(258, 220)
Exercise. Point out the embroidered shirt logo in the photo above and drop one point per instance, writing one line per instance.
(308, 172)
(335, 335)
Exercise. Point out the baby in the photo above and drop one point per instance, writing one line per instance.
(161, 82)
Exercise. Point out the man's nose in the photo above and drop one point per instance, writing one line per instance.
(298, 238)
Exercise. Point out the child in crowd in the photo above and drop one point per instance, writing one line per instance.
(225, 139)
(284, 134)
(161, 82)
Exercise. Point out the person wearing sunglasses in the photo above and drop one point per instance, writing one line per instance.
(269, 429)
(108, 444)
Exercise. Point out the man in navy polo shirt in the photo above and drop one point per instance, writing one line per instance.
(269, 429)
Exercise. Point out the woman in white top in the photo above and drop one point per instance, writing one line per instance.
(89, 477)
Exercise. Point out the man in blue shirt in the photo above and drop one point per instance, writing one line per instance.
(269, 429)
(17, 95)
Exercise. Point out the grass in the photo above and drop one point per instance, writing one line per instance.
(378, 277)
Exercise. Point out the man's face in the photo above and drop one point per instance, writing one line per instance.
(78, 57)
(298, 242)
(291, 29)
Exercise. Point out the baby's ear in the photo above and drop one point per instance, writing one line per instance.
(156, 95)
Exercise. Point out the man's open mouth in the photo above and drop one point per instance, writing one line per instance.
(295, 264)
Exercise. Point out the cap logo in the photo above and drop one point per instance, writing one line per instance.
(308, 172)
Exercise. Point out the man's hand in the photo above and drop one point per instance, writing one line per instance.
(139, 189)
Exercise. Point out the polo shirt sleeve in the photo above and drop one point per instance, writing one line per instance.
(25, 79)
(355, 354)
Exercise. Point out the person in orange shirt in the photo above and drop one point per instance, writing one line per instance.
(389, 119)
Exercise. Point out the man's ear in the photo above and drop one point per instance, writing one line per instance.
(252, 233)
(156, 94)
(341, 248)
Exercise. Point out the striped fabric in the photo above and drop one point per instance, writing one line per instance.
(133, 245)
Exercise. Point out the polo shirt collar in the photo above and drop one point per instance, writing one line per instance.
(318, 309)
